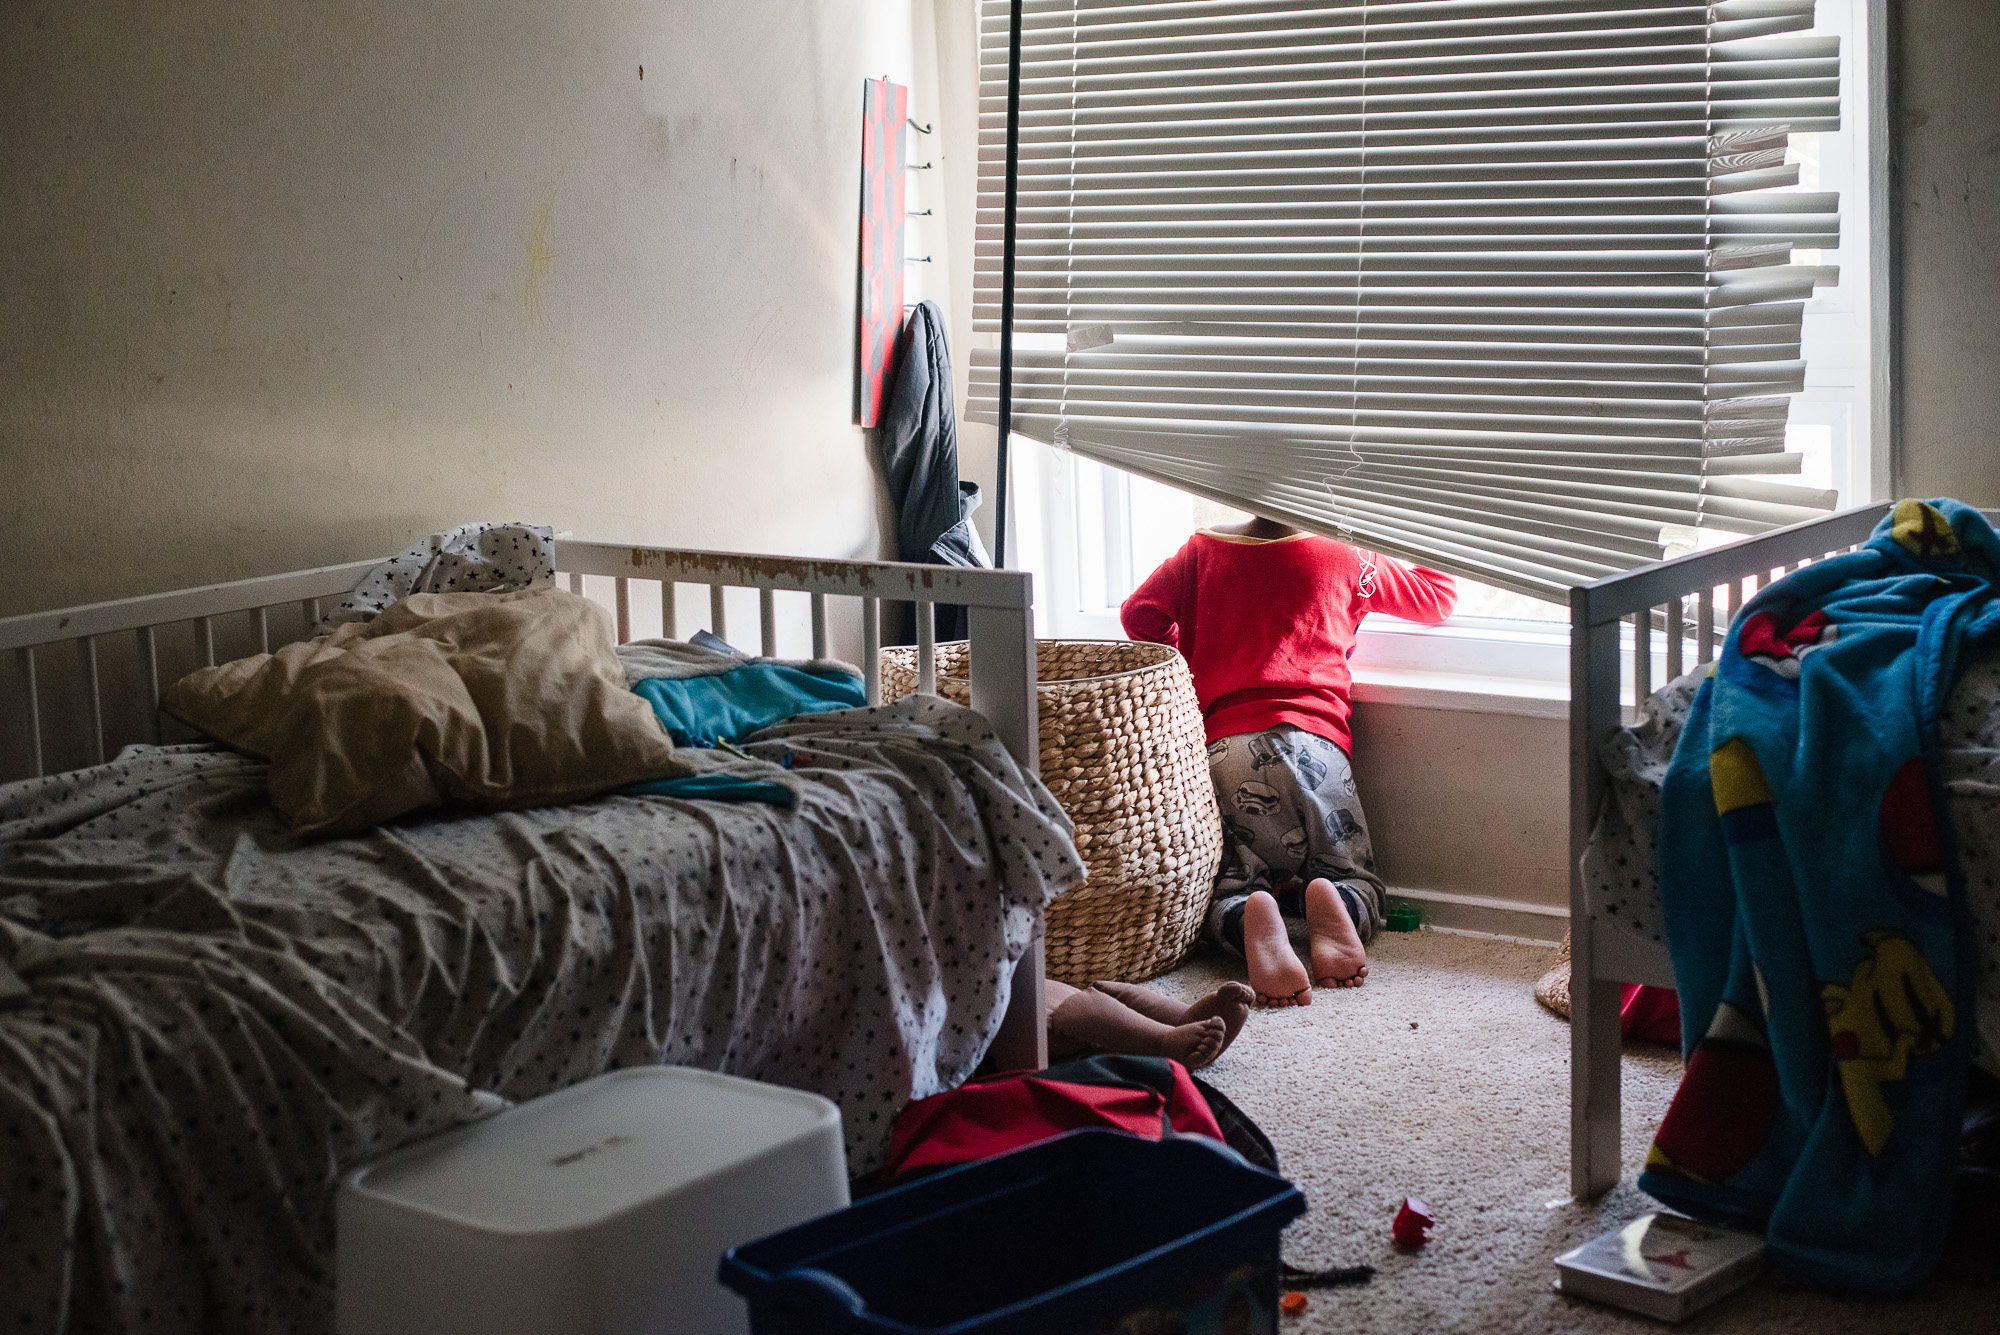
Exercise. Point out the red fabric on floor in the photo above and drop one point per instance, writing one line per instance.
(1651, 1013)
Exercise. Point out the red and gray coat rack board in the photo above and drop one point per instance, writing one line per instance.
(884, 159)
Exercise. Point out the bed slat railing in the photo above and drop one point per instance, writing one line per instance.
(872, 583)
(93, 695)
(242, 607)
(149, 675)
(32, 698)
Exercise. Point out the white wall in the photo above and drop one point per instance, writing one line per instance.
(289, 283)
(1466, 803)
(1947, 154)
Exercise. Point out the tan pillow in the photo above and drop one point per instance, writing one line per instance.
(499, 700)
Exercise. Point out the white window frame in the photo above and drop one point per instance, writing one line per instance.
(1495, 665)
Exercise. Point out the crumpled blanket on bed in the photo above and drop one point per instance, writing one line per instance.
(219, 1018)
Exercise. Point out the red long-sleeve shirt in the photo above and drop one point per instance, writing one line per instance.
(1267, 626)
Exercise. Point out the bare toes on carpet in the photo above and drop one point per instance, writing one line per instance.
(1338, 957)
(1229, 1003)
(1275, 972)
(1195, 1045)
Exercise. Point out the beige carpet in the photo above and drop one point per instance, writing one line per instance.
(1442, 1079)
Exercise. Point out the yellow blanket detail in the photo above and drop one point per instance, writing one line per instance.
(1893, 1007)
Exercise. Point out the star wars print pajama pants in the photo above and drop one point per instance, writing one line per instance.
(1289, 816)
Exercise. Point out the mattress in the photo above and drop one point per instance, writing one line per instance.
(205, 1021)
(1619, 867)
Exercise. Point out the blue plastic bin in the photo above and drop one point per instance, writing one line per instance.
(1091, 1233)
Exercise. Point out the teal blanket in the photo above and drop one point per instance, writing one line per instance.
(724, 707)
(1815, 915)
(729, 706)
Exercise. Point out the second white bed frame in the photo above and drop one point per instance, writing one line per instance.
(1667, 615)
(999, 606)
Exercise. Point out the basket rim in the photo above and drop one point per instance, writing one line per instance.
(1066, 639)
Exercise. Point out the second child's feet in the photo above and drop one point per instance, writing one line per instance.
(1275, 972)
(1338, 957)
(1194, 1045)
(1230, 1002)
(1092, 1019)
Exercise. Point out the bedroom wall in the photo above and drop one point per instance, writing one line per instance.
(1947, 152)
(290, 284)
(1468, 811)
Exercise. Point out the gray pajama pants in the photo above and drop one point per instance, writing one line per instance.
(1289, 816)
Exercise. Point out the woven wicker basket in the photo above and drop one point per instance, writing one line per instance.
(1123, 750)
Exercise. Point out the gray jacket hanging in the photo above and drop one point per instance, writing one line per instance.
(919, 444)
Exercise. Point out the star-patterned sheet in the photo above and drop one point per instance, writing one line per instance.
(206, 1021)
(1620, 869)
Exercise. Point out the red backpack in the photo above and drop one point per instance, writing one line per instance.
(1145, 1096)
(1152, 1097)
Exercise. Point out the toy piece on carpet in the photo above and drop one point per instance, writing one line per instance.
(1123, 1017)
(1413, 1224)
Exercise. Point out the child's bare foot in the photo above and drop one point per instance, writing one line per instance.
(1338, 957)
(1275, 971)
(1229, 1002)
(1092, 1019)
(1194, 1045)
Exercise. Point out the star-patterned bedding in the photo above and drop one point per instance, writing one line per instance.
(205, 1021)
(1620, 867)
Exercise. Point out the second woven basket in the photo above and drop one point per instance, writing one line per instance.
(1122, 749)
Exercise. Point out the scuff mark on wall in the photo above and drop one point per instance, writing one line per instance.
(540, 256)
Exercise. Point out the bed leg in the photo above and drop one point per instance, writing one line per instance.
(1023, 1041)
(1595, 1161)
(1596, 1158)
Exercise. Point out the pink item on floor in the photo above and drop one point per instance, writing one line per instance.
(1651, 1013)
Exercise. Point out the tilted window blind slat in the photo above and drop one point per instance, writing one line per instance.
(1501, 285)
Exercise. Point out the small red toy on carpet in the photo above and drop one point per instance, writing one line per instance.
(1412, 1228)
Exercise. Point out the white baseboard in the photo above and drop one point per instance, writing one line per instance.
(1481, 915)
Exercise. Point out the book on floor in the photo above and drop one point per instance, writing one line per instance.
(1661, 1265)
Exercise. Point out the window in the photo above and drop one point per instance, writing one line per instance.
(1148, 129)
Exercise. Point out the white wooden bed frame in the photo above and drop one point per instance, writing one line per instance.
(1619, 627)
(999, 606)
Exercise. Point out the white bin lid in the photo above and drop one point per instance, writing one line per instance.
(579, 1156)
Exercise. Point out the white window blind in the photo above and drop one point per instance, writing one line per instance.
(1500, 286)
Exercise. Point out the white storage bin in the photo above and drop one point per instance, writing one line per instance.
(602, 1208)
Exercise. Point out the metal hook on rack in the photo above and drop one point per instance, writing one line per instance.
(914, 213)
(916, 259)
(920, 129)
(920, 166)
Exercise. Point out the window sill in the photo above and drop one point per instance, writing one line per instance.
(1468, 666)
(1476, 667)
(1464, 693)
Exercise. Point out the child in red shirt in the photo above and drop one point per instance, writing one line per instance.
(1265, 616)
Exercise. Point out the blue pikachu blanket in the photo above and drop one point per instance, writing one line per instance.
(1813, 913)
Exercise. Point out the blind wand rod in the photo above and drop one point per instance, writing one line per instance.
(1007, 282)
